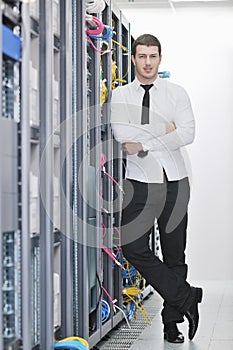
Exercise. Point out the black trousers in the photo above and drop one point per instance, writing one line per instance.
(168, 203)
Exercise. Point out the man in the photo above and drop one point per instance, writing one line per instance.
(152, 118)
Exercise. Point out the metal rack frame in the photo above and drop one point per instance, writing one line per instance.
(25, 156)
(66, 169)
(46, 174)
(79, 116)
(1, 229)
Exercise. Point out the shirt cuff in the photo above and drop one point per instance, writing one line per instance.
(145, 147)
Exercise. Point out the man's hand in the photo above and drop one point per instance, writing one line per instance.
(132, 147)
(170, 126)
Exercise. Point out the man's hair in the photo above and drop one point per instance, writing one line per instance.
(147, 40)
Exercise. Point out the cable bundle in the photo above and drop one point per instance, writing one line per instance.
(94, 22)
(112, 256)
(75, 343)
(114, 306)
(95, 6)
(131, 277)
(107, 35)
(115, 69)
(96, 33)
(105, 311)
(133, 294)
(70, 344)
(130, 309)
(134, 285)
(130, 272)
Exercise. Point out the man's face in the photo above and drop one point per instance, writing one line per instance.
(146, 61)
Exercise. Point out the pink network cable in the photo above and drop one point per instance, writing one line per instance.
(95, 32)
(108, 251)
(100, 26)
(112, 256)
(103, 162)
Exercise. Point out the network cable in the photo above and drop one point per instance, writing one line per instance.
(116, 80)
(71, 343)
(94, 21)
(103, 162)
(105, 311)
(114, 306)
(96, 33)
(106, 36)
(112, 256)
(132, 294)
(81, 340)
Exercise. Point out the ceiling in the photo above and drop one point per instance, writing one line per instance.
(171, 3)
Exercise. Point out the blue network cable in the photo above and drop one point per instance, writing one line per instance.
(105, 311)
(130, 310)
(164, 74)
(70, 344)
(127, 274)
(107, 36)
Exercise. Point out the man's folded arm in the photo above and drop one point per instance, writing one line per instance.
(125, 132)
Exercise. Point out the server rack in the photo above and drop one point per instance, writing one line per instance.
(23, 136)
(96, 136)
(66, 166)
(25, 191)
(107, 150)
(46, 156)
(79, 117)
(10, 178)
(54, 131)
(122, 59)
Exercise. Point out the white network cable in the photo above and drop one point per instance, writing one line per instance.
(95, 6)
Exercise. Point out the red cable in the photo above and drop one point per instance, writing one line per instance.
(99, 29)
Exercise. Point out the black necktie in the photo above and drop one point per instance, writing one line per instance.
(145, 112)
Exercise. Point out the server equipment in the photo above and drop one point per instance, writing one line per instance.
(61, 267)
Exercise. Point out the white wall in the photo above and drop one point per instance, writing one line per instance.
(197, 49)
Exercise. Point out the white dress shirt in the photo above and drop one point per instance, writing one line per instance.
(169, 102)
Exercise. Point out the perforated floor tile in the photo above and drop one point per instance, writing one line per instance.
(122, 338)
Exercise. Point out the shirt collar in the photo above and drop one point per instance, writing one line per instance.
(156, 83)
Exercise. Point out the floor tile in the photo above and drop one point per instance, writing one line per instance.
(221, 345)
(223, 331)
(215, 331)
(225, 314)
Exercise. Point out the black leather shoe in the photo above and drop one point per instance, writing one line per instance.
(172, 334)
(192, 313)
